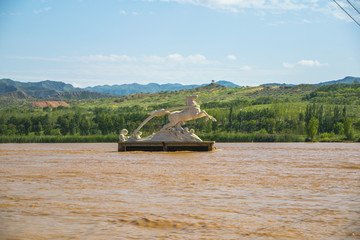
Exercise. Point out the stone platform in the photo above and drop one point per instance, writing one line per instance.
(166, 146)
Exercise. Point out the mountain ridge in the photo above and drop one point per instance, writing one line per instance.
(131, 88)
(347, 79)
(59, 90)
(44, 90)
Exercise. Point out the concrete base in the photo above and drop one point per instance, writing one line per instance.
(166, 146)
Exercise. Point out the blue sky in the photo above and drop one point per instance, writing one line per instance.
(93, 42)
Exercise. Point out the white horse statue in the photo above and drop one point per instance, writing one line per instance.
(176, 119)
(192, 111)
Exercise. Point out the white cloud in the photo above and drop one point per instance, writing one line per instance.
(153, 59)
(123, 12)
(114, 58)
(45, 9)
(197, 59)
(89, 58)
(311, 63)
(236, 5)
(288, 65)
(231, 57)
(175, 57)
(173, 67)
(245, 68)
(192, 59)
(35, 58)
(304, 63)
(333, 9)
(105, 58)
(277, 23)
(305, 21)
(274, 6)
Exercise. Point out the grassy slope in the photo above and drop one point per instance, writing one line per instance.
(210, 93)
(289, 100)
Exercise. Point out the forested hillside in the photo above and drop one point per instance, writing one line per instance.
(11, 91)
(265, 113)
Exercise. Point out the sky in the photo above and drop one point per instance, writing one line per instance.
(93, 42)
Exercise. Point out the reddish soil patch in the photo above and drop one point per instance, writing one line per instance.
(52, 104)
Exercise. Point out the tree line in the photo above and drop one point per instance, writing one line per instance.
(238, 116)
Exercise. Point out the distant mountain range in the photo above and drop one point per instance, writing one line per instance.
(277, 84)
(348, 80)
(125, 89)
(60, 90)
(44, 90)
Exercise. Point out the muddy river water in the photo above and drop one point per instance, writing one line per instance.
(239, 191)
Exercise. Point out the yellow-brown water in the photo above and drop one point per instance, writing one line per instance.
(240, 191)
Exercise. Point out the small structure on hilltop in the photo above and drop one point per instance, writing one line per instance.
(172, 137)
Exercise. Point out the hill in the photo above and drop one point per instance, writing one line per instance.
(15, 94)
(227, 84)
(277, 84)
(347, 80)
(47, 84)
(44, 90)
(78, 95)
(264, 113)
(214, 95)
(340, 93)
(59, 90)
(126, 89)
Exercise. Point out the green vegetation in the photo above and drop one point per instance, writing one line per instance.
(247, 114)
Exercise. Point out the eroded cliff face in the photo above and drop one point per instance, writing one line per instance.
(52, 104)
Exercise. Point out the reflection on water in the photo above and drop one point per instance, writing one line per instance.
(242, 191)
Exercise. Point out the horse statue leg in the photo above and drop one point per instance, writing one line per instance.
(169, 125)
(203, 113)
(178, 126)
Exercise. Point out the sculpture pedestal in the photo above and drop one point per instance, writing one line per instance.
(166, 146)
(172, 137)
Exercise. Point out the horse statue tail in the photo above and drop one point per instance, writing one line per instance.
(159, 113)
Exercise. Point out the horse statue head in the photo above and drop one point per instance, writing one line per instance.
(190, 100)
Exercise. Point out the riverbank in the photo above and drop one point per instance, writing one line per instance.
(59, 139)
(218, 137)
